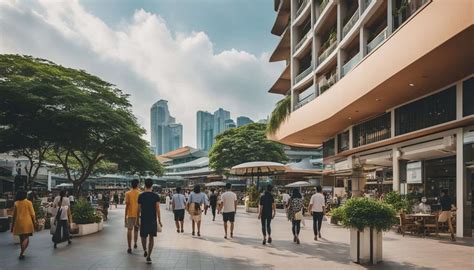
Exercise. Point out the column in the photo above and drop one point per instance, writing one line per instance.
(396, 169)
(364, 35)
(390, 7)
(459, 182)
(294, 63)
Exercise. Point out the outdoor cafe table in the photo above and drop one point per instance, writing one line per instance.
(422, 217)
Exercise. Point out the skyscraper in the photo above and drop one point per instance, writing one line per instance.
(243, 120)
(219, 121)
(166, 135)
(204, 130)
(228, 124)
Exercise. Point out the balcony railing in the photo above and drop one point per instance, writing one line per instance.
(323, 6)
(352, 21)
(305, 100)
(302, 7)
(351, 64)
(303, 40)
(303, 74)
(327, 52)
(366, 4)
(402, 14)
(377, 40)
(325, 84)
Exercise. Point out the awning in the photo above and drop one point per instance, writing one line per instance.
(258, 168)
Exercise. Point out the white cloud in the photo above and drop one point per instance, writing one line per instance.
(144, 58)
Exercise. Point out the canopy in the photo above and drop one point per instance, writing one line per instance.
(64, 185)
(216, 184)
(300, 184)
(258, 168)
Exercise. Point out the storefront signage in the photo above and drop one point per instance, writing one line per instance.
(342, 165)
(414, 173)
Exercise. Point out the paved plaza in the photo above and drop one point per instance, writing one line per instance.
(107, 249)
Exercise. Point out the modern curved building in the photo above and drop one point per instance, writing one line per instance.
(387, 88)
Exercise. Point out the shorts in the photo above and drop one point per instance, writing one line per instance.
(148, 229)
(230, 216)
(178, 215)
(444, 216)
(131, 223)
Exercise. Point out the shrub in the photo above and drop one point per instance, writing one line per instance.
(398, 202)
(254, 196)
(359, 213)
(83, 213)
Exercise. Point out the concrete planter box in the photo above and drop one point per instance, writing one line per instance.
(252, 209)
(364, 243)
(86, 229)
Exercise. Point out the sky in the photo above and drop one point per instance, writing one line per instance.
(197, 54)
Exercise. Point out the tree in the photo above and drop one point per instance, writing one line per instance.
(89, 123)
(244, 144)
(279, 114)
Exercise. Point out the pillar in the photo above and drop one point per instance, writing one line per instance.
(396, 169)
(390, 7)
(459, 182)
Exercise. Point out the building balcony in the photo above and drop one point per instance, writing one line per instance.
(349, 65)
(304, 39)
(304, 4)
(400, 70)
(282, 50)
(331, 47)
(366, 4)
(376, 41)
(350, 23)
(306, 98)
(323, 6)
(403, 13)
(283, 84)
(325, 84)
(303, 74)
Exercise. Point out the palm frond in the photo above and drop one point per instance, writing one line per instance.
(279, 114)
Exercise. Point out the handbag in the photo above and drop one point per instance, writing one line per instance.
(299, 215)
(159, 228)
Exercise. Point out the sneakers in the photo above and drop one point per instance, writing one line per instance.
(225, 236)
(148, 260)
(320, 235)
(269, 240)
(315, 238)
(264, 242)
(182, 231)
(294, 238)
(297, 241)
(135, 246)
(129, 251)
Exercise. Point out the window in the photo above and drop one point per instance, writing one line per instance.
(328, 148)
(371, 131)
(429, 111)
(468, 97)
(343, 141)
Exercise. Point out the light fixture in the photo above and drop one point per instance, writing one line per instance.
(377, 99)
(411, 84)
(349, 118)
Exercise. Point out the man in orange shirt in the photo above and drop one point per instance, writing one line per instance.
(131, 214)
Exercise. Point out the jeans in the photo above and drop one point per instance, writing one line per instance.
(296, 226)
(213, 210)
(317, 222)
(266, 227)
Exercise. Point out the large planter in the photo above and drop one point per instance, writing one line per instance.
(249, 209)
(366, 246)
(86, 229)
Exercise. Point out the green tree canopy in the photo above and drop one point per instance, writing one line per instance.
(82, 119)
(244, 144)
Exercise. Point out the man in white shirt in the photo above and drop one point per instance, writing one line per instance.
(228, 208)
(286, 198)
(317, 205)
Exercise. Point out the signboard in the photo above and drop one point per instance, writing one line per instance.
(414, 173)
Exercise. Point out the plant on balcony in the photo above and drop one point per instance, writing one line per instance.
(279, 114)
(330, 40)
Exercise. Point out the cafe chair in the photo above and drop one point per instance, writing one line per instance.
(432, 225)
(407, 224)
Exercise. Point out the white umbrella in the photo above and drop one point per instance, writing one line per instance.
(64, 185)
(216, 184)
(300, 184)
(257, 168)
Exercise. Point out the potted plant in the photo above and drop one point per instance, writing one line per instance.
(253, 196)
(86, 219)
(366, 218)
(40, 215)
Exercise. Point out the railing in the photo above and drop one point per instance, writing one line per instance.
(327, 52)
(303, 74)
(350, 64)
(348, 26)
(325, 84)
(366, 4)
(301, 8)
(303, 40)
(305, 100)
(402, 14)
(323, 6)
(377, 40)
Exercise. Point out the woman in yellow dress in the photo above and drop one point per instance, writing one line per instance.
(23, 221)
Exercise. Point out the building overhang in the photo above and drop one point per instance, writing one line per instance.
(282, 50)
(432, 50)
(283, 84)
(282, 18)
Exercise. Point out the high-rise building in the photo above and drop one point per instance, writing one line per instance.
(220, 116)
(204, 130)
(166, 135)
(387, 88)
(243, 120)
(228, 124)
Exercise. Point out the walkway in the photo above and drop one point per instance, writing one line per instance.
(107, 249)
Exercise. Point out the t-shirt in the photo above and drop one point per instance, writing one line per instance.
(131, 199)
(286, 198)
(65, 201)
(446, 203)
(266, 202)
(318, 202)
(179, 201)
(64, 207)
(213, 199)
(228, 199)
(199, 198)
(147, 201)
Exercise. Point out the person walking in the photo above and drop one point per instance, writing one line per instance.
(149, 213)
(23, 221)
(213, 203)
(295, 213)
(229, 208)
(72, 199)
(178, 204)
(131, 215)
(62, 219)
(317, 206)
(445, 216)
(196, 200)
(267, 213)
(116, 199)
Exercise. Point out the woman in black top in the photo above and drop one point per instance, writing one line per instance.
(295, 213)
(267, 213)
